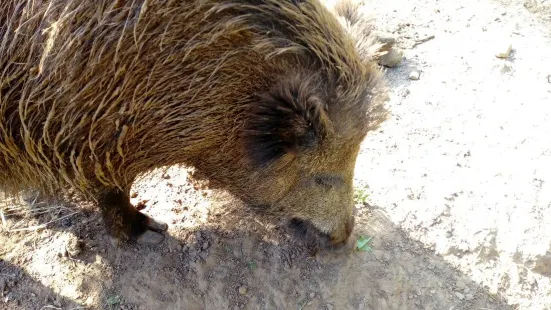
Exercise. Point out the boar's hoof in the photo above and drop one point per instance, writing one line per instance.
(153, 232)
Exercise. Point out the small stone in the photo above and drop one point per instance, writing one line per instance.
(205, 245)
(469, 297)
(432, 292)
(459, 295)
(505, 53)
(312, 295)
(329, 307)
(385, 38)
(414, 75)
(242, 290)
(392, 58)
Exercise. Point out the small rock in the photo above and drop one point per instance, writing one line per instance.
(329, 307)
(312, 295)
(387, 39)
(205, 245)
(505, 53)
(141, 205)
(459, 295)
(242, 290)
(392, 58)
(469, 297)
(414, 75)
(432, 292)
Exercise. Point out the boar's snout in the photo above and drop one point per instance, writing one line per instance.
(314, 237)
(340, 237)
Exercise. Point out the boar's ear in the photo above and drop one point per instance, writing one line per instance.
(288, 119)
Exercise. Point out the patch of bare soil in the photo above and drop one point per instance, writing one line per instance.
(458, 184)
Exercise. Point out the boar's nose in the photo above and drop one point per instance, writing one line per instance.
(340, 238)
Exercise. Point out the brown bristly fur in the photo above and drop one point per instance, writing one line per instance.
(94, 93)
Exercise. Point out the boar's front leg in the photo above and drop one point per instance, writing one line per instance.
(124, 223)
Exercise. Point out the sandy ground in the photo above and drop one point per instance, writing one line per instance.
(458, 186)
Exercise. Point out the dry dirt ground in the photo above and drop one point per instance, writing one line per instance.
(455, 189)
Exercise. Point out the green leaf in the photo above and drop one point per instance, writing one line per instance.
(361, 244)
(113, 300)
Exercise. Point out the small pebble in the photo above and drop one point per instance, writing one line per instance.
(414, 75)
(391, 59)
(384, 37)
(329, 307)
(242, 290)
(387, 39)
(312, 295)
(459, 295)
(432, 291)
(469, 297)
(505, 53)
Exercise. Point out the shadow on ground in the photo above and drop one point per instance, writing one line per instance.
(234, 260)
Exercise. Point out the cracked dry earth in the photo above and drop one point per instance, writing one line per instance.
(458, 183)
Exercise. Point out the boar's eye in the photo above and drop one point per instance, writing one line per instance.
(328, 180)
